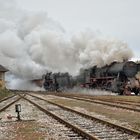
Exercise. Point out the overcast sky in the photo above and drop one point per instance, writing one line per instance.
(117, 18)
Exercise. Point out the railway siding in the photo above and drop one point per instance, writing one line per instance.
(35, 124)
(9, 101)
(106, 103)
(78, 125)
(74, 128)
(108, 124)
(123, 117)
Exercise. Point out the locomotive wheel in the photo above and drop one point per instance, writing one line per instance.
(93, 86)
(121, 92)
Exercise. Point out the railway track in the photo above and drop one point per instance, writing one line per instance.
(74, 133)
(85, 125)
(121, 100)
(110, 100)
(135, 104)
(124, 103)
(6, 98)
(91, 99)
(131, 107)
(67, 132)
(7, 102)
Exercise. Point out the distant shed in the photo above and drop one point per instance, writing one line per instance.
(38, 82)
(2, 76)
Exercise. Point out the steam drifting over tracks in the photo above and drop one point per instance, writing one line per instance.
(91, 125)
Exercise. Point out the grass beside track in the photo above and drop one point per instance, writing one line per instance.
(5, 93)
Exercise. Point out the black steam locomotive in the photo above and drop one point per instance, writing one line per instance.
(57, 81)
(118, 77)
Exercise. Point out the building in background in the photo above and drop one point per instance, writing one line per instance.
(2, 77)
(38, 82)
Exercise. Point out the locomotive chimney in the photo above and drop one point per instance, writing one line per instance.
(125, 60)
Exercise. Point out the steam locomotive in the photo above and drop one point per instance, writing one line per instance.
(57, 81)
(119, 77)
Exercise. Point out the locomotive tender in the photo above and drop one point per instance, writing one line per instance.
(117, 77)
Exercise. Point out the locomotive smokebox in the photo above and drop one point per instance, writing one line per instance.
(130, 69)
(115, 68)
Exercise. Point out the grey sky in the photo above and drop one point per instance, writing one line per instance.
(117, 18)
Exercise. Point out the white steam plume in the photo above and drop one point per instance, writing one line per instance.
(32, 42)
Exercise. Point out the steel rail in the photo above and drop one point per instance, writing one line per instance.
(4, 108)
(122, 128)
(103, 103)
(6, 98)
(120, 102)
(108, 100)
(74, 128)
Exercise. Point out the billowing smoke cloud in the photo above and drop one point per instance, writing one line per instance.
(32, 42)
